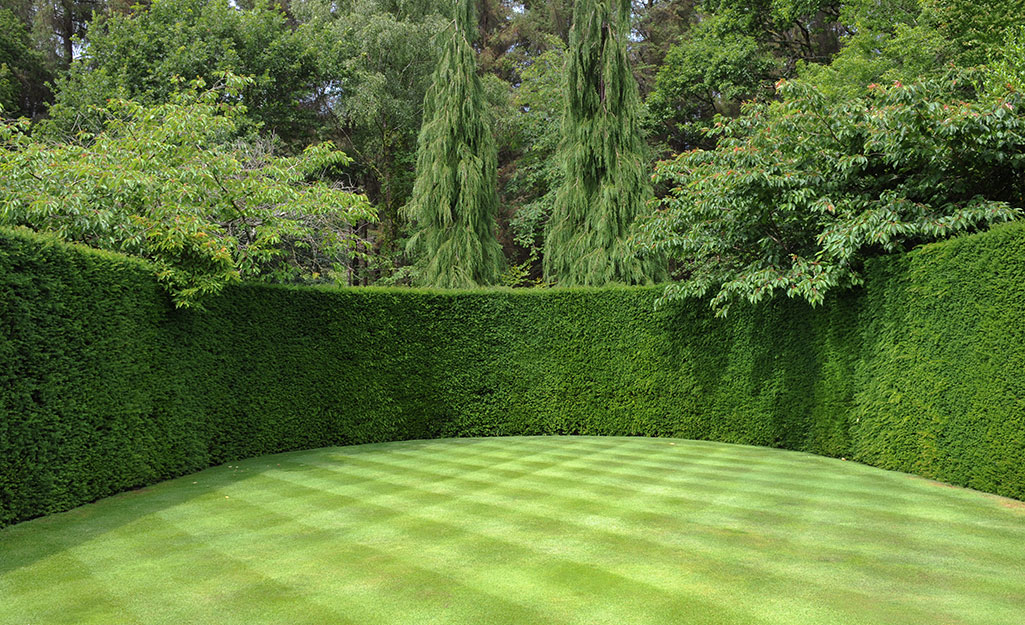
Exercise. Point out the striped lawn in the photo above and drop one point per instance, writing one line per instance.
(525, 530)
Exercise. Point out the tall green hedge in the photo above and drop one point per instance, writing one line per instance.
(104, 386)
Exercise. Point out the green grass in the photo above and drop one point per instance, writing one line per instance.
(525, 530)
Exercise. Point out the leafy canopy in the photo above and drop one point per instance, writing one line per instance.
(166, 183)
(1006, 72)
(24, 70)
(378, 56)
(709, 72)
(537, 174)
(799, 192)
(136, 56)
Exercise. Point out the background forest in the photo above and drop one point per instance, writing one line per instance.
(277, 140)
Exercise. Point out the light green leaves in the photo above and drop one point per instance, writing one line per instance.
(170, 183)
(799, 192)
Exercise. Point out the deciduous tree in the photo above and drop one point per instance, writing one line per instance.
(168, 183)
(24, 70)
(138, 55)
(799, 192)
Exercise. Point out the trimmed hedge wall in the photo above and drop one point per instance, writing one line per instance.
(104, 386)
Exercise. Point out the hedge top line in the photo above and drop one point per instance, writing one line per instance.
(44, 238)
(107, 387)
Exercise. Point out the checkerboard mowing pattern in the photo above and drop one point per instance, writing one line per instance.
(532, 530)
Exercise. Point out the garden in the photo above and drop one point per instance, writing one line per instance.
(512, 456)
(526, 530)
(376, 312)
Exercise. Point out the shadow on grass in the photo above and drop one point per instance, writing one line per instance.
(30, 541)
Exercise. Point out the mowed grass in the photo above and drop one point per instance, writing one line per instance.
(525, 530)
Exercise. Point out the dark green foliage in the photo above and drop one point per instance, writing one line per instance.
(139, 55)
(794, 30)
(537, 176)
(105, 386)
(605, 184)
(377, 56)
(24, 70)
(733, 51)
(657, 24)
(455, 202)
(799, 192)
(79, 346)
(940, 384)
(709, 72)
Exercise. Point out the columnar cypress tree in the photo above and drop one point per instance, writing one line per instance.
(455, 201)
(604, 159)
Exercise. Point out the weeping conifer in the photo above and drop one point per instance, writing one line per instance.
(602, 154)
(454, 201)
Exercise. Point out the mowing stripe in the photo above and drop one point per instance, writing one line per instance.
(557, 510)
(566, 531)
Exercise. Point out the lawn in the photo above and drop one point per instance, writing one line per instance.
(544, 530)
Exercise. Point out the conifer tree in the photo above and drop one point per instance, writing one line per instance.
(455, 200)
(602, 154)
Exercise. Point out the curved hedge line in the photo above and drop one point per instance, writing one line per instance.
(104, 387)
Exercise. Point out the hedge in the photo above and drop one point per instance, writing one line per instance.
(105, 387)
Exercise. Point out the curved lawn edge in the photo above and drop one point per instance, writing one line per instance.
(518, 530)
(107, 388)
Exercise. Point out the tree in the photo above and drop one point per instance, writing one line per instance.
(709, 72)
(973, 28)
(454, 201)
(605, 184)
(137, 56)
(793, 30)
(657, 24)
(799, 192)
(907, 40)
(169, 184)
(379, 57)
(55, 24)
(734, 51)
(537, 174)
(1007, 68)
(23, 69)
(543, 18)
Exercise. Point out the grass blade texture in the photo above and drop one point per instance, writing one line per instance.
(525, 530)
